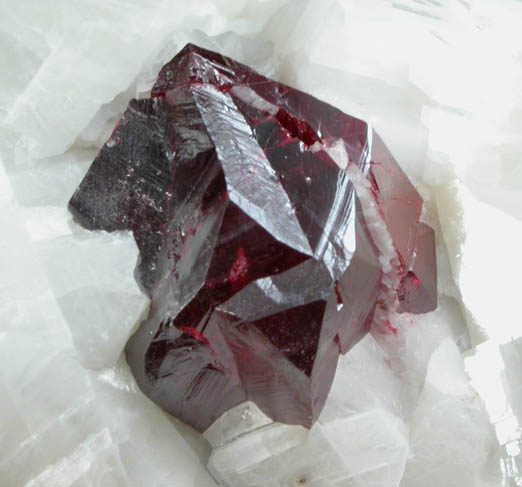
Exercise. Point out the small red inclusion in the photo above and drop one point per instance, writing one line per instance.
(391, 328)
(298, 128)
(338, 295)
(415, 280)
(238, 273)
(373, 183)
(191, 331)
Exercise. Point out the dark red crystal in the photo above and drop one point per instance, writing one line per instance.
(401, 205)
(253, 246)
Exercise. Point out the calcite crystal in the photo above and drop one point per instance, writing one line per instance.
(246, 201)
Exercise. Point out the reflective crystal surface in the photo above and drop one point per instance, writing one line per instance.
(255, 242)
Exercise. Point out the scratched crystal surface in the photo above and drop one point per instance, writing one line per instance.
(253, 243)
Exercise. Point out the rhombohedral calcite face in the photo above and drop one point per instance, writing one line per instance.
(254, 248)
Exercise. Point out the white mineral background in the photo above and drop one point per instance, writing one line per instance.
(437, 403)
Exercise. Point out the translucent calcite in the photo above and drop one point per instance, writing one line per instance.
(253, 246)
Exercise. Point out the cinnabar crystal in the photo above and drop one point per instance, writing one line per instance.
(253, 246)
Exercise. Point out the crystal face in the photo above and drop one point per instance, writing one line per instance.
(254, 249)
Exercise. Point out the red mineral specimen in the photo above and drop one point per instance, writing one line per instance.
(253, 246)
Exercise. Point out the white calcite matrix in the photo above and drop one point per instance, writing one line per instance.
(430, 400)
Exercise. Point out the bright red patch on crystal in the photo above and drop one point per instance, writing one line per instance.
(253, 246)
(238, 274)
(393, 329)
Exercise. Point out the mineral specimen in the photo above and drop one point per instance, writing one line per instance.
(246, 201)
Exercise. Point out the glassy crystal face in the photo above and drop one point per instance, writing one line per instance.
(253, 246)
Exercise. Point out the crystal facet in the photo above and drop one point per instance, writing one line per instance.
(254, 248)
